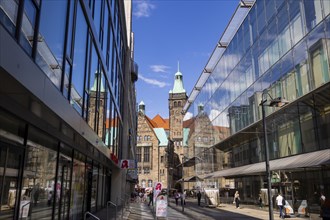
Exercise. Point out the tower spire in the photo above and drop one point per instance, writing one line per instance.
(178, 82)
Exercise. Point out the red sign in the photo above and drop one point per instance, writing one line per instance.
(114, 158)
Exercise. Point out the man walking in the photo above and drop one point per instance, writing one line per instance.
(199, 196)
(279, 201)
(151, 198)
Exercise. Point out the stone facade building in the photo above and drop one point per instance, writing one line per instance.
(155, 163)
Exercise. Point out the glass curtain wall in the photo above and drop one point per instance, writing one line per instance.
(72, 54)
(282, 51)
(283, 59)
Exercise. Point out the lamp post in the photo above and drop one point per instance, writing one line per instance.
(170, 152)
(278, 102)
(269, 188)
(182, 188)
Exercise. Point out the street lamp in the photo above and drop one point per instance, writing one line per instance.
(182, 188)
(170, 155)
(277, 102)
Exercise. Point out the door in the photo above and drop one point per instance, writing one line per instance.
(63, 187)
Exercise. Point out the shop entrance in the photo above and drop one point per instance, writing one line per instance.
(63, 186)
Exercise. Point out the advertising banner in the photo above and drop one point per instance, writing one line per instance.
(157, 190)
(161, 206)
(127, 164)
(24, 208)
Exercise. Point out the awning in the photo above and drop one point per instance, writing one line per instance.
(190, 179)
(312, 159)
(190, 162)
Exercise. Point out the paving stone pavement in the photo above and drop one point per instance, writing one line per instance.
(141, 211)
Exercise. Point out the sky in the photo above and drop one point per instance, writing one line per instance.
(172, 33)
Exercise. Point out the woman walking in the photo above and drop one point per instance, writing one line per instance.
(236, 199)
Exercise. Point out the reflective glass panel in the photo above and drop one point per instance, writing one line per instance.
(28, 26)
(51, 45)
(79, 61)
(8, 15)
(39, 172)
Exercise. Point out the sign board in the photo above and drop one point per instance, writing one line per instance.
(24, 208)
(157, 189)
(302, 208)
(127, 164)
(288, 210)
(161, 206)
(212, 197)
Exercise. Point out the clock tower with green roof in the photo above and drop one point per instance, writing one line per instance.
(176, 101)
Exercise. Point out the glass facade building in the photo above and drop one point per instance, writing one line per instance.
(67, 106)
(279, 49)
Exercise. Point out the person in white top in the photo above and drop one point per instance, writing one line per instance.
(279, 202)
(322, 200)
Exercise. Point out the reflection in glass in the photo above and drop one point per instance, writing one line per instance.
(62, 191)
(78, 186)
(8, 15)
(51, 43)
(79, 62)
(28, 26)
(94, 187)
(97, 18)
(39, 172)
(312, 13)
(10, 162)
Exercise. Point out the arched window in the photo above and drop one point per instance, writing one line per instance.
(179, 103)
(143, 184)
(149, 183)
(175, 104)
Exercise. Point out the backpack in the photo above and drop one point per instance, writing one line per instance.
(283, 202)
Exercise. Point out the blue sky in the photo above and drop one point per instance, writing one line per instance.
(171, 31)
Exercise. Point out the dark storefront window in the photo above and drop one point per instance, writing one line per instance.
(78, 186)
(62, 191)
(95, 180)
(39, 172)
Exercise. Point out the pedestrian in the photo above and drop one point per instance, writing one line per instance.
(322, 200)
(260, 201)
(176, 197)
(49, 199)
(237, 199)
(280, 201)
(141, 196)
(199, 196)
(326, 209)
(183, 198)
(151, 198)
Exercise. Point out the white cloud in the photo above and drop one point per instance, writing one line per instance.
(159, 68)
(153, 81)
(219, 119)
(142, 8)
